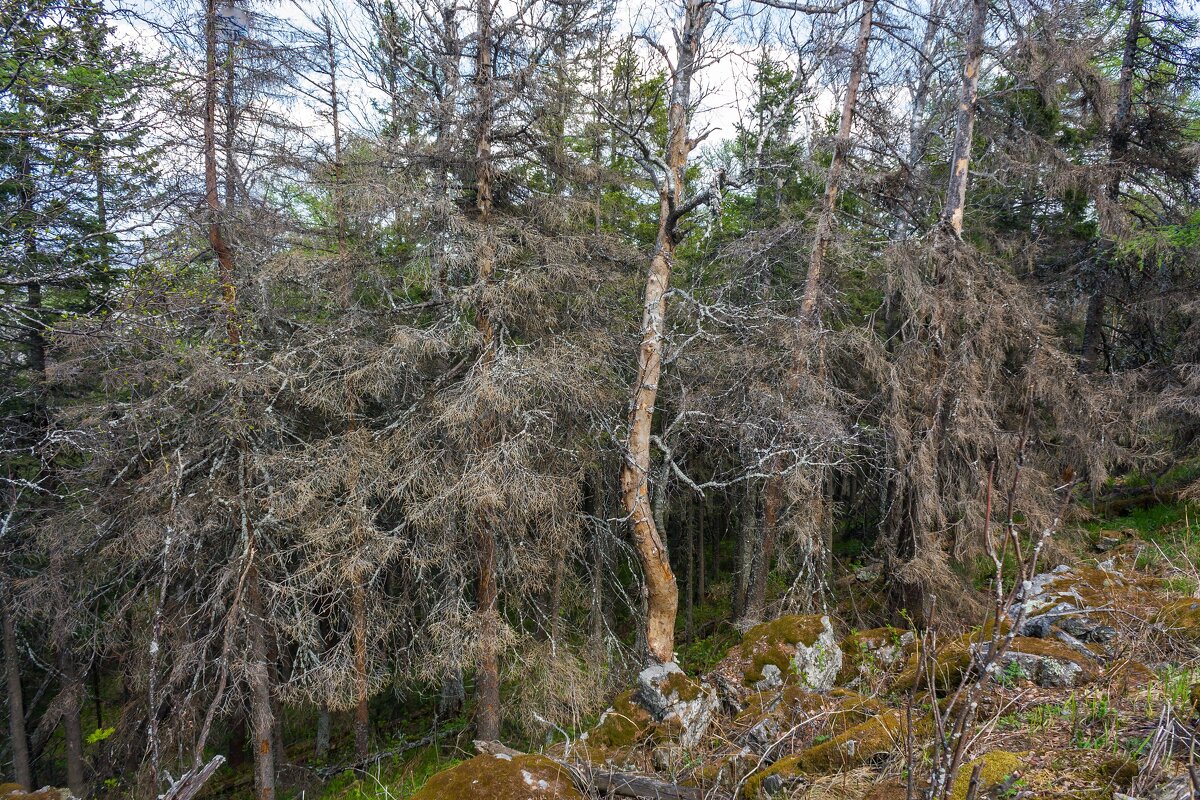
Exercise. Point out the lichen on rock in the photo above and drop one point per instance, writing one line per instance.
(677, 701)
(861, 744)
(796, 649)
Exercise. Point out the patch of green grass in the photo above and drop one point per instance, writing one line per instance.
(1149, 522)
(392, 779)
(700, 656)
(1181, 584)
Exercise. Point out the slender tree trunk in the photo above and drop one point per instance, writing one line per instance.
(237, 742)
(487, 679)
(72, 688)
(690, 556)
(362, 718)
(596, 612)
(918, 125)
(321, 749)
(662, 592)
(556, 586)
(216, 237)
(16, 699)
(262, 711)
(760, 568)
(964, 127)
(1118, 148)
(841, 151)
(702, 586)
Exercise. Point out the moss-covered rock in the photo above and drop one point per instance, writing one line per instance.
(624, 724)
(1047, 662)
(1181, 618)
(861, 744)
(680, 704)
(868, 653)
(501, 777)
(769, 715)
(795, 649)
(998, 766)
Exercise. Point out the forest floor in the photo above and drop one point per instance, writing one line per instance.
(1095, 698)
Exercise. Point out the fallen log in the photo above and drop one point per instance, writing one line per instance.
(592, 780)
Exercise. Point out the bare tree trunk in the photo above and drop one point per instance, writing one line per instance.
(237, 742)
(596, 612)
(487, 679)
(262, 711)
(702, 587)
(556, 586)
(72, 688)
(216, 237)
(689, 534)
(662, 592)
(918, 126)
(362, 718)
(760, 566)
(16, 699)
(321, 749)
(760, 557)
(841, 150)
(1118, 147)
(964, 127)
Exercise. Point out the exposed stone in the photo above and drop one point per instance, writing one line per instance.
(1068, 618)
(674, 699)
(501, 777)
(1047, 672)
(862, 744)
(792, 650)
(870, 652)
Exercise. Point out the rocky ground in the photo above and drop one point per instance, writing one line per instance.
(1093, 697)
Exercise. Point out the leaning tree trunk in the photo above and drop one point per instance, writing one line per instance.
(964, 127)
(1118, 147)
(662, 592)
(16, 700)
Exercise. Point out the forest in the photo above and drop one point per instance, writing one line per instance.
(565, 399)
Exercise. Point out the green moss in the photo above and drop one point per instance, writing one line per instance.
(998, 765)
(775, 643)
(681, 686)
(1181, 617)
(793, 629)
(623, 725)
(488, 777)
(1118, 771)
(861, 744)
(955, 658)
(859, 650)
